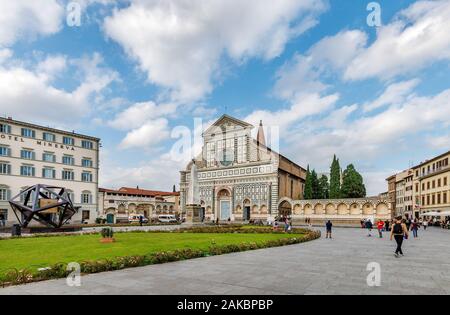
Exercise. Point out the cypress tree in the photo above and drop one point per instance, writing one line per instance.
(315, 185)
(308, 194)
(352, 184)
(324, 187)
(335, 179)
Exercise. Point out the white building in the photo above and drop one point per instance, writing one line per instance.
(117, 205)
(31, 154)
(240, 178)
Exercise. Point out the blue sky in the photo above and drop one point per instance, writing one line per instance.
(133, 71)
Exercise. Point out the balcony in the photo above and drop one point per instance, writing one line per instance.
(434, 171)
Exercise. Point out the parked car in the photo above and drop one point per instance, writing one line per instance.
(137, 219)
(167, 219)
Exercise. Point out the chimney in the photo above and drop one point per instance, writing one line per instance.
(261, 139)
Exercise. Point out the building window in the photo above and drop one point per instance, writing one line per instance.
(439, 182)
(28, 171)
(86, 162)
(428, 200)
(5, 193)
(5, 128)
(28, 133)
(242, 150)
(71, 195)
(49, 157)
(48, 173)
(27, 155)
(87, 145)
(68, 141)
(68, 160)
(86, 198)
(423, 200)
(210, 154)
(423, 186)
(48, 137)
(86, 177)
(68, 175)
(5, 169)
(433, 198)
(439, 199)
(445, 181)
(434, 184)
(5, 151)
(86, 214)
(444, 198)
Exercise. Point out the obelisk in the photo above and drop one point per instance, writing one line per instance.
(193, 207)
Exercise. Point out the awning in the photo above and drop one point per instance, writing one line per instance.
(435, 214)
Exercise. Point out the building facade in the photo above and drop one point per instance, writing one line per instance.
(117, 205)
(240, 178)
(404, 193)
(348, 212)
(431, 183)
(32, 154)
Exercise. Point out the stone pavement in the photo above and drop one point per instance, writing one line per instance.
(336, 266)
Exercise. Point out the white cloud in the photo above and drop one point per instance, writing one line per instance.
(140, 113)
(28, 91)
(180, 44)
(440, 142)
(27, 19)
(307, 105)
(158, 174)
(416, 38)
(149, 134)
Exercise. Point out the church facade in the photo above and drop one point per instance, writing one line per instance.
(239, 177)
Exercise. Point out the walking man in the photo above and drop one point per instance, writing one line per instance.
(2, 220)
(415, 228)
(399, 231)
(369, 227)
(329, 226)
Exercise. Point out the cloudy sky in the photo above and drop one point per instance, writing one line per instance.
(135, 72)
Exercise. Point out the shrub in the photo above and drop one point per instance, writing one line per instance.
(107, 232)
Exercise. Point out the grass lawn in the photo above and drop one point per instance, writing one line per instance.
(34, 253)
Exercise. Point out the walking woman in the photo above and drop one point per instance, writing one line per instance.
(415, 228)
(399, 231)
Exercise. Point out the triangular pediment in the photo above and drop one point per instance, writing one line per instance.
(225, 122)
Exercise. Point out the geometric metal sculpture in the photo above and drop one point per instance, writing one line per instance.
(49, 205)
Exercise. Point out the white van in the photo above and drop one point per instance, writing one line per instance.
(167, 219)
(137, 218)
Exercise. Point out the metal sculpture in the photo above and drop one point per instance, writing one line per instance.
(49, 205)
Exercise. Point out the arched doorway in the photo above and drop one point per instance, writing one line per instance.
(224, 200)
(247, 210)
(285, 208)
(110, 218)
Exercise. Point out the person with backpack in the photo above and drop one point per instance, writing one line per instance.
(398, 232)
(329, 226)
(369, 227)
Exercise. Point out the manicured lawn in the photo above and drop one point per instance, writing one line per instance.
(33, 253)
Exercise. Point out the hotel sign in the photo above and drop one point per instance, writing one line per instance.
(4, 136)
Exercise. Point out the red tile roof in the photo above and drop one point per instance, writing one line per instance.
(136, 191)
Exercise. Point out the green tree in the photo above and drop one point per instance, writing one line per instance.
(352, 184)
(335, 179)
(324, 187)
(315, 185)
(308, 194)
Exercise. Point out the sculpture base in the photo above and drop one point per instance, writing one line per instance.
(193, 214)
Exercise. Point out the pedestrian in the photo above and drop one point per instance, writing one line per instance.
(2, 220)
(425, 225)
(141, 220)
(286, 225)
(386, 225)
(363, 224)
(369, 227)
(415, 228)
(380, 226)
(399, 231)
(408, 223)
(329, 226)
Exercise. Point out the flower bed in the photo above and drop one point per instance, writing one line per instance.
(59, 270)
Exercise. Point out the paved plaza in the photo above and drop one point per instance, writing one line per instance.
(336, 266)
